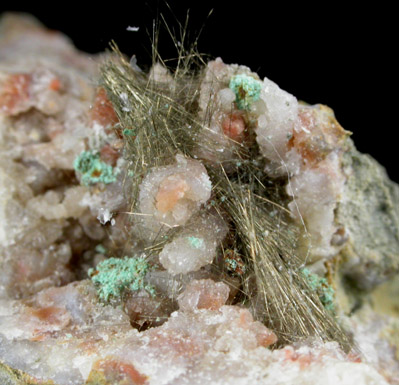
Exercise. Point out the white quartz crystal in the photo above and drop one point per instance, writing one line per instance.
(195, 247)
(275, 125)
(205, 340)
(305, 144)
(171, 195)
(50, 110)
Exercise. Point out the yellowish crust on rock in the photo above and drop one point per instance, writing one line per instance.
(10, 376)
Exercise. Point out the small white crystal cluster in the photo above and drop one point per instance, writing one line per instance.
(50, 113)
(301, 142)
(305, 143)
(62, 172)
(173, 196)
(170, 195)
(195, 246)
(205, 340)
(225, 127)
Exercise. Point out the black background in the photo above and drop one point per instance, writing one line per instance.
(339, 55)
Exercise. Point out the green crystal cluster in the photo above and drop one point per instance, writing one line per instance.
(247, 90)
(93, 170)
(196, 243)
(321, 287)
(114, 276)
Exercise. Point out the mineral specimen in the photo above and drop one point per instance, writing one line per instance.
(158, 228)
(171, 195)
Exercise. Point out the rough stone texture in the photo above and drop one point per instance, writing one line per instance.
(9, 376)
(66, 335)
(369, 214)
(51, 111)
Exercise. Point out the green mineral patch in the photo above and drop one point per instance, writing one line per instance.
(247, 90)
(114, 276)
(231, 263)
(321, 287)
(100, 249)
(93, 170)
(195, 242)
(129, 132)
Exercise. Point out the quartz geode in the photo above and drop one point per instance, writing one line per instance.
(124, 267)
